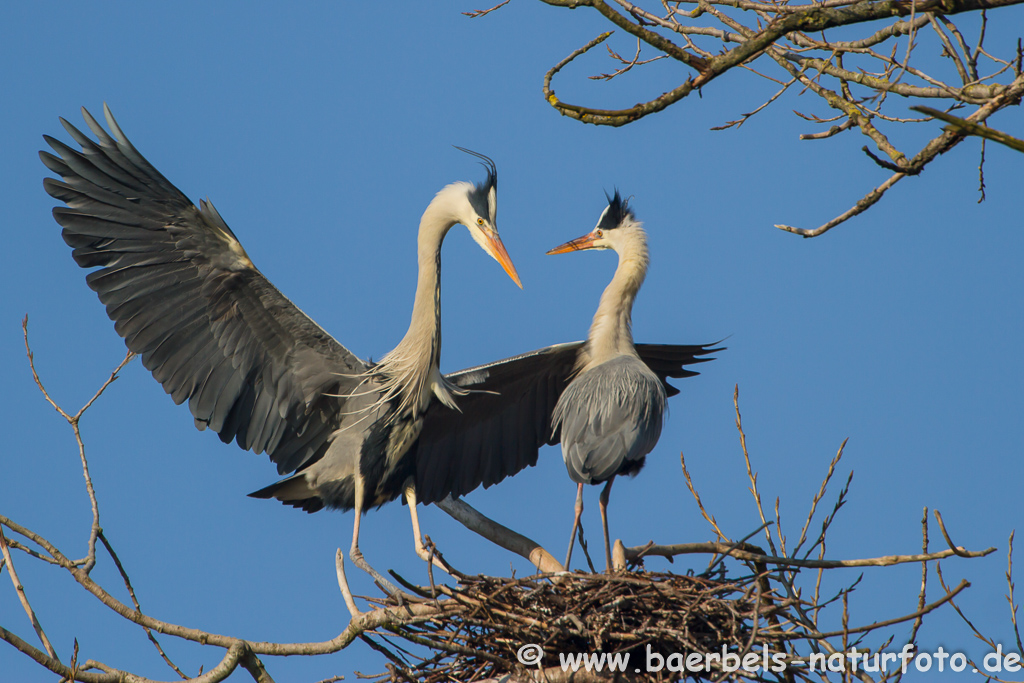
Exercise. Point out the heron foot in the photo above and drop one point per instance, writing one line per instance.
(432, 555)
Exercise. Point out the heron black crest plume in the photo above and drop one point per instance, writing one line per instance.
(484, 196)
(486, 162)
(617, 211)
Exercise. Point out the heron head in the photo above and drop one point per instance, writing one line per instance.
(481, 216)
(616, 223)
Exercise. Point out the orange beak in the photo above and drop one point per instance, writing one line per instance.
(578, 244)
(502, 257)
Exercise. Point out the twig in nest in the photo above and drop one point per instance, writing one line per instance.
(624, 613)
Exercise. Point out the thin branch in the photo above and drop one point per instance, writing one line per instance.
(862, 205)
(963, 617)
(939, 145)
(981, 173)
(751, 475)
(1009, 595)
(607, 117)
(922, 593)
(819, 495)
(52, 663)
(58, 557)
(948, 597)
(90, 560)
(476, 14)
(135, 601)
(950, 50)
(959, 125)
(628, 63)
(99, 392)
(23, 598)
(696, 496)
(747, 555)
(739, 122)
(35, 375)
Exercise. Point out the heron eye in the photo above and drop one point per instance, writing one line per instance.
(480, 222)
(599, 233)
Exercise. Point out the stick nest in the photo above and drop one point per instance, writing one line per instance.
(487, 620)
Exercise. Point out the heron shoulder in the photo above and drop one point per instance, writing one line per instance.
(622, 379)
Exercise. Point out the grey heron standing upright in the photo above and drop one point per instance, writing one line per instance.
(213, 330)
(609, 418)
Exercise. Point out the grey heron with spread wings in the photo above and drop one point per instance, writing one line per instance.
(610, 416)
(214, 331)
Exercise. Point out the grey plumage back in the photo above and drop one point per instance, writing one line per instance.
(609, 419)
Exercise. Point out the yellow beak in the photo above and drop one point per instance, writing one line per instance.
(578, 244)
(501, 256)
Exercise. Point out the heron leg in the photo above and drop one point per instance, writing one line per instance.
(356, 554)
(575, 525)
(603, 503)
(410, 499)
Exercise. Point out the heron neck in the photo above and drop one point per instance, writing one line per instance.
(425, 325)
(611, 332)
(411, 368)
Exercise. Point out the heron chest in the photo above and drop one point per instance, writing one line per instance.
(403, 434)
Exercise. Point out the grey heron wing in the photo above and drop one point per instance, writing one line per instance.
(499, 426)
(670, 360)
(184, 296)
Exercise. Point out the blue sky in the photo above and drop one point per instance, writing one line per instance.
(322, 131)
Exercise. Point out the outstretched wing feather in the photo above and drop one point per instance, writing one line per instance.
(505, 419)
(185, 296)
(499, 427)
(670, 360)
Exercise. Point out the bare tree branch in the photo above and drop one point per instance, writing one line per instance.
(23, 598)
(745, 554)
(463, 513)
(783, 32)
(963, 126)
